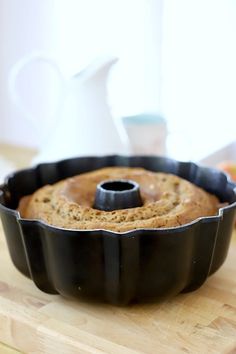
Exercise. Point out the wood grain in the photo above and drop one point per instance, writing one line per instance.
(34, 322)
(4, 349)
(20, 156)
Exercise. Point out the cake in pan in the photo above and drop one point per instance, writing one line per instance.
(166, 201)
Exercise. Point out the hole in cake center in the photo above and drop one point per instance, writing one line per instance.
(117, 194)
(118, 186)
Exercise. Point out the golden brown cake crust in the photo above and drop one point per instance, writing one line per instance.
(168, 201)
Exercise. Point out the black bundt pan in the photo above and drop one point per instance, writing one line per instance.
(119, 268)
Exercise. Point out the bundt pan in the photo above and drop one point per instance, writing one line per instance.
(119, 268)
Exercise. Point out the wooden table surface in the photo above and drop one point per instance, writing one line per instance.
(203, 321)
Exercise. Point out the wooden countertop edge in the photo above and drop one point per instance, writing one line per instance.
(5, 349)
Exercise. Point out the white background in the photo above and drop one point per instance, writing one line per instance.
(176, 57)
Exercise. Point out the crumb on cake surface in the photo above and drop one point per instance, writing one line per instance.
(168, 201)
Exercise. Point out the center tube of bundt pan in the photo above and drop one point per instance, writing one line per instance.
(117, 194)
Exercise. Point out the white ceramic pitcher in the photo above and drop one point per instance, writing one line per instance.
(83, 124)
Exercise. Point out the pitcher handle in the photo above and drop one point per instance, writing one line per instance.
(13, 75)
